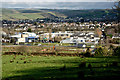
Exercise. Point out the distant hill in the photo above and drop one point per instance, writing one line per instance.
(88, 14)
(15, 14)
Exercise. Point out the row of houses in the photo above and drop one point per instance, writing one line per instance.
(60, 34)
(67, 37)
(32, 37)
(82, 37)
(89, 37)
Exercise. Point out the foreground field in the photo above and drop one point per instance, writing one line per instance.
(21, 67)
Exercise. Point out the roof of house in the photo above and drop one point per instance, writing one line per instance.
(31, 37)
(16, 36)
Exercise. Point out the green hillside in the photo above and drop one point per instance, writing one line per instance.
(87, 13)
(14, 14)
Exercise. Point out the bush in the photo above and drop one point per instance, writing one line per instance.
(29, 30)
(89, 66)
(87, 54)
(105, 51)
(13, 40)
(101, 51)
(82, 65)
(117, 51)
(111, 47)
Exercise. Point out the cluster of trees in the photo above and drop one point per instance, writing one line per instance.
(103, 51)
(111, 51)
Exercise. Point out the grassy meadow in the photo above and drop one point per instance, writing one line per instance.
(56, 67)
(20, 67)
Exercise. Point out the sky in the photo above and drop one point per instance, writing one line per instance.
(59, 4)
(58, 0)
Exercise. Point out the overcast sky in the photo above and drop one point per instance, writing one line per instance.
(58, 0)
(59, 4)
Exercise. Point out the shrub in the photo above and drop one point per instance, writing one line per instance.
(87, 54)
(89, 66)
(105, 51)
(111, 47)
(82, 65)
(29, 30)
(12, 40)
(110, 52)
(117, 51)
(101, 52)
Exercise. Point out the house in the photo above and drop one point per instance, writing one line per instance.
(25, 37)
(3, 33)
(117, 36)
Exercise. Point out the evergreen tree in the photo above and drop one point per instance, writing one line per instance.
(29, 30)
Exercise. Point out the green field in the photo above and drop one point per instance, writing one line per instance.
(52, 67)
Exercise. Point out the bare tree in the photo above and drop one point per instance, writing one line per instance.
(116, 9)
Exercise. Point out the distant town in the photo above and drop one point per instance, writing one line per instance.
(47, 31)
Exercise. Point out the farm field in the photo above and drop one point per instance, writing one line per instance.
(20, 67)
(39, 49)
